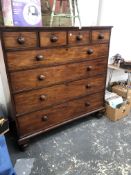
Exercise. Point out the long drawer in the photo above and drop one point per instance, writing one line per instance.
(25, 80)
(35, 58)
(44, 119)
(38, 99)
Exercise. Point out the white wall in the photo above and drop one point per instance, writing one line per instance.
(117, 14)
(88, 10)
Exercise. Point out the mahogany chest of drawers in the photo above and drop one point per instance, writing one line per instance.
(55, 75)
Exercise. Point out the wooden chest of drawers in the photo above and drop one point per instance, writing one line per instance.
(55, 75)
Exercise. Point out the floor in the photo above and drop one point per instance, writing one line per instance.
(88, 146)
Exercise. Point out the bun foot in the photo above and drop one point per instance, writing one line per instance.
(99, 114)
(23, 145)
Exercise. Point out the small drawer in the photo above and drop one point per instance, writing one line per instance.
(45, 97)
(45, 119)
(29, 79)
(100, 36)
(78, 37)
(13, 40)
(28, 59)
(52, 39)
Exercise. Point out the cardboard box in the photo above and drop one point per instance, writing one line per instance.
(22, 12)
(118, 113)
(122, 91)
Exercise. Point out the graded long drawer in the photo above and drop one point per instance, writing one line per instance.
(28, 79)
(35, 58)
(44, 119)
(38, 99)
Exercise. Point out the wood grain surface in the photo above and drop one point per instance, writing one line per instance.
(30, 101)
(11, 39)
(45, 38)
(42, 77)
(44, 119)
(27, 59)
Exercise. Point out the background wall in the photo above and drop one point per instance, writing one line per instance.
(116, 13)
(88, 12)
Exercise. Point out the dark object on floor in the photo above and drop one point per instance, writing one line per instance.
(6, 167)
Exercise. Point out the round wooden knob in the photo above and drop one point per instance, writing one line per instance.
(87, 104)
(44, 118)
(90, 51)
(42, 97)
(124, 110)
(88, 86)
(53, 38)
(89, 68)
(101, 36)
(39, 57)
(21, 40)
(41, 77)
(79, 37)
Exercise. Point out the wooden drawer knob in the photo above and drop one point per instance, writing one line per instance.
(101, 36)
(41, 77)
(87, 104)
(90, 51)
(39, 57)
(79, 37)
(42, 97)
(53, 38)
(21, 40)
(124, 110)
(89, 68)
(44, 118)
(88, 86)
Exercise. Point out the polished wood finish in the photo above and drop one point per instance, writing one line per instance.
(44, 119)
(100, 36)
(38, 99)
(42, 77)
(55, 75)
(78, 37)
(20, 39)
(29, 59)
(52, 38)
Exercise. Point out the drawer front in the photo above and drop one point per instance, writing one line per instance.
(78, 37)
(45, 119)
(52, 39)
(100, 36)
(38, 99)
(13, 40)
(28, 59)
(41, 77)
